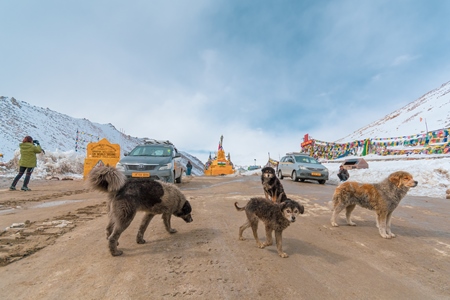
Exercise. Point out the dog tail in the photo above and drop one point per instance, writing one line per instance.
(330, 204)
(238, 208)
(106, 179)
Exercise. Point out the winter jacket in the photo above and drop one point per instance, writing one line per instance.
(28, 155)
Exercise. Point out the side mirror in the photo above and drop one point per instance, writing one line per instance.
(125, 154)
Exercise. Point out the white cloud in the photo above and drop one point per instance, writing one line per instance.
(404, 59)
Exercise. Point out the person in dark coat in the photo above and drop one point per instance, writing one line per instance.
(27, 162)
(188, 168)
(343, 174)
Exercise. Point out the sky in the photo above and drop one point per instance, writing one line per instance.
(260, 73)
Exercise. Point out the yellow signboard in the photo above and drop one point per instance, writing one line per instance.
(102, 153)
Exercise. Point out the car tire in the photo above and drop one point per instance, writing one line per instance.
(280, 175)
(171, 179)
(294, 176)
(178, 180)
(302, 179)
(322, 181)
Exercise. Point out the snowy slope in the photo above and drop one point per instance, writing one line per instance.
(58, 132)
(429, 112)
(55, 131)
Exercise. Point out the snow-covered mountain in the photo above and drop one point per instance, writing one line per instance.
(429, 112)
(55, 131)
(59, 132)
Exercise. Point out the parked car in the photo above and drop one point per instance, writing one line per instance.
(300, 166)
(154, 160)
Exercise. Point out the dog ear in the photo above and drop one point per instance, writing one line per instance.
(395, 179)
(186, 209)
(301, 208)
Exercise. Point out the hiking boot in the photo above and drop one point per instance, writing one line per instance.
(24, 188)
(12, 188)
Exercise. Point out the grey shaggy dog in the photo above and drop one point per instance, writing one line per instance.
(128, 196)
(273, 189)
(276, 217)
(382, 197)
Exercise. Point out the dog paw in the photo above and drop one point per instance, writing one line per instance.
(116, 253)
(385, 236)
(334, 224)
(241, 238)
(172, 230)
(261, 245)
(140, 241)
(351, 224)
(283, 255)
(392, 235)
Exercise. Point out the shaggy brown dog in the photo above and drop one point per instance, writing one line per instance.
(273, 189)
(381, 197)
(128, 196)
(276, 217)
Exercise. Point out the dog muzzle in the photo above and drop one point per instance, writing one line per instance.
(188, 218)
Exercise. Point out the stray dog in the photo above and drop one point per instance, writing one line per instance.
(381, 197)
(273, 189)
(128, 196)
(276, 216)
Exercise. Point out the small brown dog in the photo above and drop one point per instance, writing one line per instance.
(381, 197)
(273, 189)
(276, 217)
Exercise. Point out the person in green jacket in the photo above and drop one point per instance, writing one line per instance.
(27, 161)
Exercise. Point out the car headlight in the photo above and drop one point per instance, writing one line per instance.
(166, 167)
(302, 167)
(120, 167)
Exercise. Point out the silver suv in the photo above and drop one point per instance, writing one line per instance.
(300, 166)
(154, 160)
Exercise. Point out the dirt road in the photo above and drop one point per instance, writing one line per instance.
(69, 259)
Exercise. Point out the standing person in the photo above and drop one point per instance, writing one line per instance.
(343, 173)
(27, 161)
(188, 168)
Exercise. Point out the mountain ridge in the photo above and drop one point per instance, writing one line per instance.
(429, 112)
(55, 131)
(60, 132)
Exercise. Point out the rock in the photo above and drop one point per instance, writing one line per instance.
(17, 225)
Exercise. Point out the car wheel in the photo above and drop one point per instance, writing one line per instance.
(178, 180)
(322, 181)
(294, 176)
(302, 179)
(170, 179)
(280, 175)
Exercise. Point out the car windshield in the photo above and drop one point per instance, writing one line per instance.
(306, 159)
(151, 151)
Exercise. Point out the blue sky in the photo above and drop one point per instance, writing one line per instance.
(260, 73)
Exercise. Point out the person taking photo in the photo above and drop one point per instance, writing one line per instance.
(27, 162)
